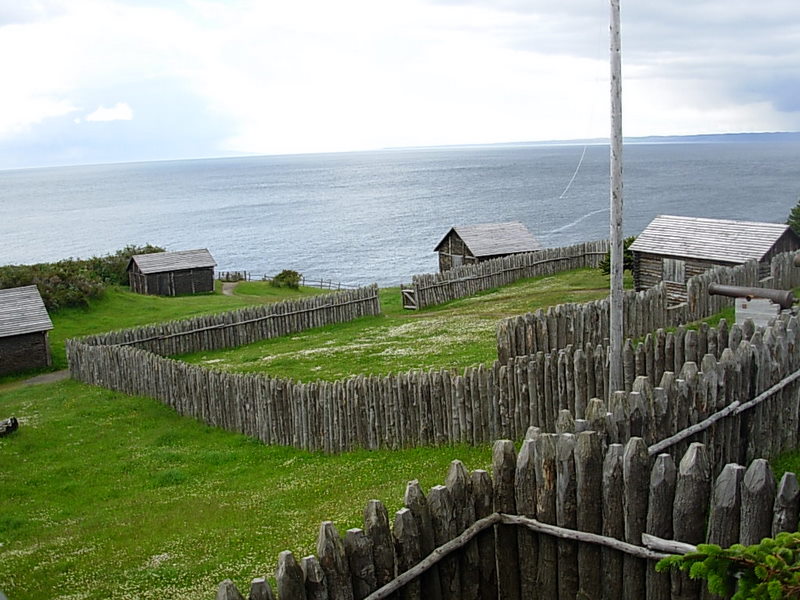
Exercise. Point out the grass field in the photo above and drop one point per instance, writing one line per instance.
(453, 335)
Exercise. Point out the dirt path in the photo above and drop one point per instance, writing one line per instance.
(53, 377)
(228, 287)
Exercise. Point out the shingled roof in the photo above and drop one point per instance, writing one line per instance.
(160, 262)
(708, 239)
(22, 311)
(492, 239)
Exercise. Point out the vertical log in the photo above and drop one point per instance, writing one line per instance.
(358, 547)
(525, 497)
(333, 561)
(785, 512)
(444, 527)
(228, 591)
(689, 513)
(758, 498)
(566, 515)
(613, 521)
(589, 497)
(376, 526)
(260, 590)
(408, 550)
(504, 462)
(483, 496)
(316, 586)
(663, 479)
(458, 482)
(546, 492)
(636, 478)
(726, 502)
(289, 577)
(416, 502)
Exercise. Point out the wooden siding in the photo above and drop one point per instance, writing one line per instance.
(454, 246)
(23, 352)
(172, 283)
(649, 272)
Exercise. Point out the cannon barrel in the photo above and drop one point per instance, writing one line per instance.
(797, 260)
(783, 297)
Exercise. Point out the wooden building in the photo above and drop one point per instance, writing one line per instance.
(172, 273)
(673, 249)
(24, 324)
(470, 244)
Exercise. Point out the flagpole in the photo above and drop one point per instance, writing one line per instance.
(616, 308)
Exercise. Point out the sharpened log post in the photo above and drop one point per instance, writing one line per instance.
(458, 482)
(589, 502)
(408, 550)
(504, 463)
(333, 560)
(689, 513)
(483, 496)
(525, 496)
(726, 502)
(289, 577)
(316, 586)
(376, 526)
(440, 503)
(663, 478)
(415, 501)
(260, 590)
(227, 590)
(566, 515)
(636, 475)
(546, 476)
(758, 498)
(787, 502)
(358, 547)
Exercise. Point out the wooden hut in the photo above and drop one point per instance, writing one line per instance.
(172, 273)
(24, 324)
(469, 244)
(673, 249)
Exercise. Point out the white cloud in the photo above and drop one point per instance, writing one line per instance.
(121, 111)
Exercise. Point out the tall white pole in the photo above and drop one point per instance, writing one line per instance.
(615, 334)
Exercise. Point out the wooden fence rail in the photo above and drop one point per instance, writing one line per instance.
(569, 515)
(437, 288)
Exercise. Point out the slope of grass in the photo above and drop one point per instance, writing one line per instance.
(120, 309)
(111, 496)
(452, 335)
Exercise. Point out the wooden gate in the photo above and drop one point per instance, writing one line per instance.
(409, 298)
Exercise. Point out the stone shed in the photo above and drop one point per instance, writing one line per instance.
(172, 273)
(673, 249)
(470, 244)
(24, 324)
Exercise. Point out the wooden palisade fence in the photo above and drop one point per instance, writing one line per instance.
(646, 311)
(437, 288)
(561, 519)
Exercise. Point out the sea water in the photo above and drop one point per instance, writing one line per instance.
(376, 216)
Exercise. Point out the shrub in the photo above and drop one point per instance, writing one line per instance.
(627, 257)
(794, 218)
(287, 278)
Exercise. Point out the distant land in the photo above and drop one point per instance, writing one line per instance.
(706, 138)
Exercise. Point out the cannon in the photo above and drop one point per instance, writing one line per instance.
(797, 260)
(784, 298)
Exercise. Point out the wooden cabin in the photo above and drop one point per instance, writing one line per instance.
(470, 244)
(172, 273)
(24, 324)
(673, 249)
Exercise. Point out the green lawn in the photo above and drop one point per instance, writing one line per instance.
(111, 496)
(121, 309)
(453, 335)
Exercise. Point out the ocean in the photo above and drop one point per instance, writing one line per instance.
(366, 217)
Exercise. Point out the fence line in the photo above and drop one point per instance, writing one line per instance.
(437, 288)
(570, 517)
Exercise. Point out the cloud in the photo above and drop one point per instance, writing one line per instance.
(121, 111)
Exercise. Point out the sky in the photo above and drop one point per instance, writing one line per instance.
(91, 81)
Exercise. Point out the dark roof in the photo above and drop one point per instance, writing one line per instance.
(159, 262)
(493, 239)
(708, 239)
(22, 311)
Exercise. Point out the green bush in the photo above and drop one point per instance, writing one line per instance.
(73, 282)
(287, 278)
(768, 571)
(794, 218)
(627, 257)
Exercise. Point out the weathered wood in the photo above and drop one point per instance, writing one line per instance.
(636, 476)
(504, 461)
(589, 497)
(315, 584)
(408, 550)
(416, 502)
(376, 526)
(289, 577)
(667, 546)
(227, 590)
(758, 498)
(483, 497)
(525, 498)
(458, 482)
(444, 523)
(787, 503)
(546, 474)
(358, 547)
(566, 515)
(613, 520)
(333, 561)
(726, 501)
(689, 511)
(260, 590)
(663, 478)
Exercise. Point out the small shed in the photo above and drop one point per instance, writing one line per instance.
(24, 324)
(673, 249)
(470, 244)
(172, 273)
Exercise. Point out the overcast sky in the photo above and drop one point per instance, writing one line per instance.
(88, 81)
